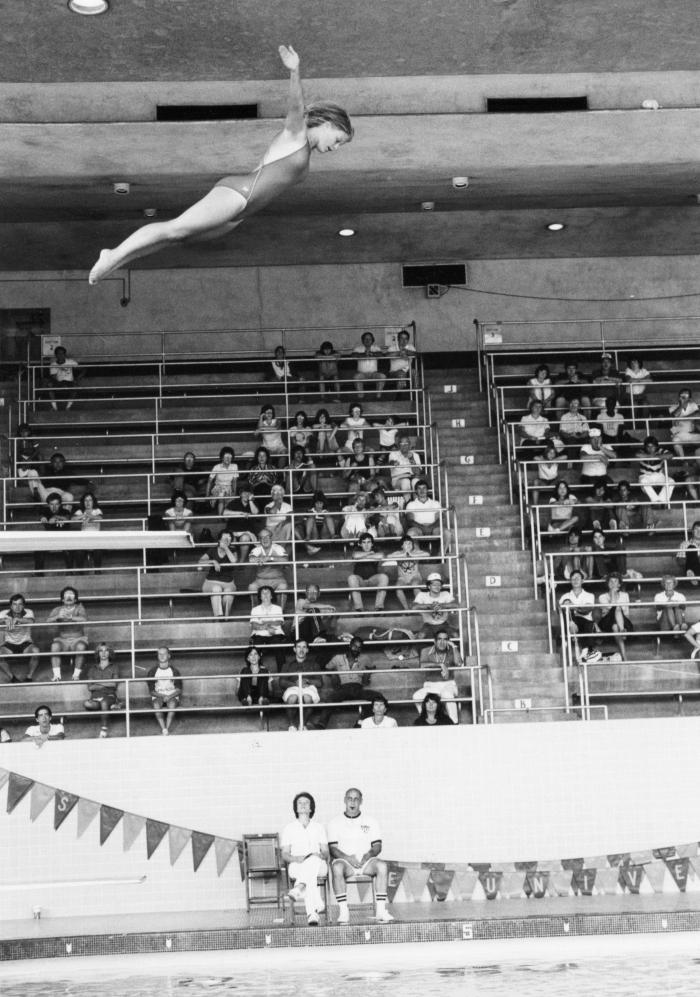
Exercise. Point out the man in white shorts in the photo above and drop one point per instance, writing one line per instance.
(294, 685)
(355, 843)
(305, 849)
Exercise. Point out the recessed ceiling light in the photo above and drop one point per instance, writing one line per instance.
(555, 226)
(346, 232)
(88, 6)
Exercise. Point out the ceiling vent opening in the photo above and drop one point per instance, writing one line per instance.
(205, 112)
(535, 105)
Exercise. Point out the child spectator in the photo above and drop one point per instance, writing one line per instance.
(165, 688)
(102, 679)
(327, 369)
(222, 479)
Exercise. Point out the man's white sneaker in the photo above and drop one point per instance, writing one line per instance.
(385, 917)
(343, 917)
(312, 919)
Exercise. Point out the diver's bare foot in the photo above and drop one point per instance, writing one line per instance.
(101, 268)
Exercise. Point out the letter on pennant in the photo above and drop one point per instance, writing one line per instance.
(63, 804)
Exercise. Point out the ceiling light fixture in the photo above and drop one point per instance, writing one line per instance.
(459, 183)
(88, 6)
(555, 226)
(346, 232)
(427, 205)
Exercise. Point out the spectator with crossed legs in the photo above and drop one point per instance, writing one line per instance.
(305, 850)
(70, 616)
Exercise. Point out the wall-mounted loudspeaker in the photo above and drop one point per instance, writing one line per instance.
(434, 273)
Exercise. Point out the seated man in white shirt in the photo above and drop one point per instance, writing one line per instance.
(368, 365)
(379, 719)
(305, 849)
(63, 374)
(423, 515)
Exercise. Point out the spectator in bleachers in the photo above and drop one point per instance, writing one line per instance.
(56, 518)
(295, 686)
(221, 485)
(315, 620)
(89, 515)
(573, 556)
(561, 506)
(572, 385)
(278, 514)
(384, 514)
(609, 557)
(580, 619)
(189, 477)
(355, 424)
(405, 466)
(17, 643)
(254, 680)
(595, 457)
(573, 428)
(328, 375)
(356, 515)
(64, 373)
(319, 524)
(366, 573)
(541, 386)
(670, 606)
(349, 676)
(326, 445)
(432, 712)
(637, 377)
(400, 362)
(657, 484)
(378, 720)
(301, 432)
(627, 514)
(57, 476)
(178, 516)
(439, 662)
(102, 679)
(268, 556)
(408, 576)
(266, 623)
(69, 616)
(359, 464)
(368, 371)
(243, 520)
(684, 414)
(280, 368)
(388, 430)
(219, 583)
(548, 463)
(597, 507)
(165, 688)
(614, 618)
(606, 382)
(27, 452)
(534, 427)
(422, 513)
(44, 729)
(692, 481)
(262, 475)
(303, 472)
(270, 432)
(611, 423)
(436, 606)
(688, 554)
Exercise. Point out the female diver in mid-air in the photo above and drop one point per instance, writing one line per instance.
(323, 127)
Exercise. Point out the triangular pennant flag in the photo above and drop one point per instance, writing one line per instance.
(4, 776)
(606, 881)
(132, 825)
(549, 865)
(63, 803)
(155, 832)
(201, 843)
(687, 851)
(40, 798)
(665, 853)
(536, 883)
(491, 882)
(595, 862)
(573, 864)
(655, 874)
(439, 883)
(583, 881)
(631, 877)
(109, 818)
(522, 867)
(224, 849)
(177, 839)
(414, 881)
(480, 866)
(19, 786)
(464, 884)
(619, 859)
(679, 870)
(561, 882)
(510, 884)
(394, 877)
(87, 811)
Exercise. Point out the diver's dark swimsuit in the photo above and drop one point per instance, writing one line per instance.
(269, 180)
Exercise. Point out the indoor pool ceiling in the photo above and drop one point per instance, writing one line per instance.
(78, 99)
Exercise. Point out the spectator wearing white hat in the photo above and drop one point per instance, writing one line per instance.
(595, 457)
(436, 606)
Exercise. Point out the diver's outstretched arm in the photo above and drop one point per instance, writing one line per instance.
(294, 122)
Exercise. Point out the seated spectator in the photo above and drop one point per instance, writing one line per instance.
(262, 475)
(278, 514)
(304, 848)
(423, 513)
(378, 719)
(388, 430)
(608, 555)
(366, 573)
(540, 387)
(408, 576)
(611, 423)
(439, 662)
(534, 427)
(637, 377)
(580, 619)
(56, 518)
(268, 556)
(328, 359)
(319, 524)
(573, 428)
(221, 485)
(17, 643)
(368, 366)
(606, 381)
(266, 624)
(436, 606)
(27, 452)
(692, 481)
(350, 676)
(242, 520)
(295, 687)
(69, 617)
(614, 618)
(670, 606)
(326, 445)
(360, 465)
(657, 484)
(432, 712)
(64, 374)
(684, 414)
(315, 621)
(102, 679)
(270, 432)
(44, 729)
(561, 506)
(189, 477)
(595, 457)
(58, 480)
(254, 680)
(280, 368)
(219, 583)
(627, 515)
(598, 508)
(401, 362)
(89, 515)
(356, 514)
(384, 517)
(688, 555)
(405, 466)
(178, 516)
(572, 384)
(574, 556)
(548, 466)
(303, 472)
(165, 688)
(355, 423)
(301, 434)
